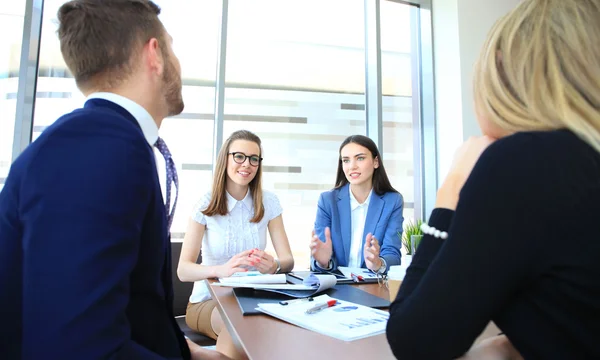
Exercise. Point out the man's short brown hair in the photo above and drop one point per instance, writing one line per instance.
(99, 40)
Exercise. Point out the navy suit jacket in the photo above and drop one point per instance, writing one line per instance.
(384, 220)
(85, 267)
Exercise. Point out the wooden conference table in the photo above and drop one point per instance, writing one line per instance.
(264, 337)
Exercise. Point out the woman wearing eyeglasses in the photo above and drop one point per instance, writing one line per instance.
(230, 225)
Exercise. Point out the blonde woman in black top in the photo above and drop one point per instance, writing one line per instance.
(515, 234)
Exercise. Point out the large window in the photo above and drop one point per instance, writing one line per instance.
(194, 26)
(295, 74)
(301, 89)
(56, 92)
(398, 118)
(11, 27)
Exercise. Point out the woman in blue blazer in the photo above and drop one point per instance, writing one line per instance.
(359, 222)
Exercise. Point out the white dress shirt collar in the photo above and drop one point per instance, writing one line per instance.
(354, 204)
(246, 201)
(143, 117)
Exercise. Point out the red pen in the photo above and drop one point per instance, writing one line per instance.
(356, 278)
(320, 307)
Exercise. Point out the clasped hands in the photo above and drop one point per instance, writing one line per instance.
(322, 251)
(261, 260)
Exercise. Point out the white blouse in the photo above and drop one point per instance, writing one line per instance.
(230, 234)
(358, 217)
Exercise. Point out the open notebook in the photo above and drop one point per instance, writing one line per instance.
(343, 275)
(312, 285)
(254, 277)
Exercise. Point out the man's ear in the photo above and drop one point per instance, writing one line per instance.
(154, 56)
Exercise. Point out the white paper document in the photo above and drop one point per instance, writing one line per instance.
(345, 320)
(364, 272)
(312, 285)
(254, 277)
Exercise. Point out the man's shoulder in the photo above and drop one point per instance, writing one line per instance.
(74, 130)
(96, 121)
(84, 133)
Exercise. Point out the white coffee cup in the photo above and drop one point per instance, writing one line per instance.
(395, 276)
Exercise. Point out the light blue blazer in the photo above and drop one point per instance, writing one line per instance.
(384, 220)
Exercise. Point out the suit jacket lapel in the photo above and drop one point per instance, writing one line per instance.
(345, 219)
(373, 214)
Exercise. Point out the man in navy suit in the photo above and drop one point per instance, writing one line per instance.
(85, 267)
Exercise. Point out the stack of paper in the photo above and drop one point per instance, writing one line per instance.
(365, 273)
(312, 285)
(254, 277)
(345, 320)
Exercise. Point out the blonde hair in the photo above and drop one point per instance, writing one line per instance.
(540, 69)
(218, 200)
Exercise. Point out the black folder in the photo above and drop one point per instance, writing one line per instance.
(248, 299)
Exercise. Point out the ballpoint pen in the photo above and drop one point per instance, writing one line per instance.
(356, 278)
(319, 307)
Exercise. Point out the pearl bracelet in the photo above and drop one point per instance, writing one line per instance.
(433, 231)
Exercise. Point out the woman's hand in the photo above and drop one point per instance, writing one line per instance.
(264, 262)
(321, 251)
(464, 160)
(371, 253)
(494, 348)
(235, 264)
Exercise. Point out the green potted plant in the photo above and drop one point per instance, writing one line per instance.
(412, 236)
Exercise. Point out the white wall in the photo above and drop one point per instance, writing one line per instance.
(459, 30)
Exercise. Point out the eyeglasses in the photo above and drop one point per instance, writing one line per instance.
(240, 158)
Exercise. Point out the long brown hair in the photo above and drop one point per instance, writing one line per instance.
(218, 200)
(381, 182)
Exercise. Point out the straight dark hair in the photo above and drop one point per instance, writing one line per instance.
(381, 182)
